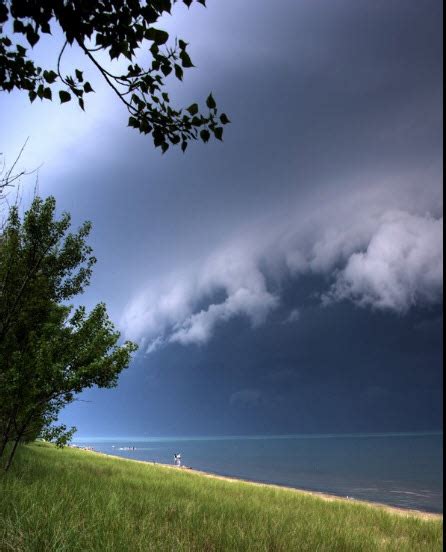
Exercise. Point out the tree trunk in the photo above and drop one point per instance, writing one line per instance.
(5, 438)
(3, 444)
(14, 449)
(19, 436)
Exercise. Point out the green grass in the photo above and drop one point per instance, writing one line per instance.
(69, 500)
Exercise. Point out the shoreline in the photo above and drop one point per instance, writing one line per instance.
(316, 494)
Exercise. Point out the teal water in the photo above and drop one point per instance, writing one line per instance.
(404, 470)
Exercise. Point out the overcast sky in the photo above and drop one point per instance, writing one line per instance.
(290, 279)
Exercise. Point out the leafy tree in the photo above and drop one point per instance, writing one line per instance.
(122, 29)
(49, 352)
(40, 258)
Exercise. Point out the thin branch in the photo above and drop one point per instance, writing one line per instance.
(106, 77)
(8, 174)
(8, 180)
(59, 59)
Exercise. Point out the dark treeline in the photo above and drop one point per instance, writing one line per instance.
(49, 351)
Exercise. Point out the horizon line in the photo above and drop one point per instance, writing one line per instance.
(260, 436)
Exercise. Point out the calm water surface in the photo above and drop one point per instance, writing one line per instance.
(404, 470)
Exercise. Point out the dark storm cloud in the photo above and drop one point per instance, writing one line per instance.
(345, 100)
(333, 82)
(326, 191)
(336, 371)
(246, 398)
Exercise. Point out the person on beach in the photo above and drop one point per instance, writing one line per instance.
(177, 460)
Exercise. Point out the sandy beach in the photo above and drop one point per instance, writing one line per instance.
(323, 496)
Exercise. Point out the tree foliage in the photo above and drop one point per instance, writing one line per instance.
(122, 29)
(49, 352)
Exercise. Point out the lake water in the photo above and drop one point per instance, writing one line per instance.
(404, 470)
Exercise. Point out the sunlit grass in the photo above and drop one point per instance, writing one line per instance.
(69, 500)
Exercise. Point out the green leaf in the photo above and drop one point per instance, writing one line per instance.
(166, 69)
(50, 76)
(45, 26)
(166, 5)
(133, 122)
(224, 119)
(135, 99)
(114, 52)
(40, 91)
(18, 26)
(185, 60)
(158, 36)
(31, 36)
(47, 94)
(179, 73)
(158, 139)
(3, 13)
(205, 135)
(193, 109)
(88, 88)
(64, 96)
(79, 75)
(210, 102)
(145, 127)
(218, 133)
(154, 50)
(32, 95)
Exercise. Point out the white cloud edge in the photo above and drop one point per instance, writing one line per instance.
(387, 259)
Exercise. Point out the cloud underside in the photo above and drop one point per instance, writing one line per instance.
(389, 260)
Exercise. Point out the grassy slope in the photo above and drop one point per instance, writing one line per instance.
(73, 500)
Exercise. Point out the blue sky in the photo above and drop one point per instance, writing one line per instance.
(290, 279)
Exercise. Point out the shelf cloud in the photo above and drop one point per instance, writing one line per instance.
(402, 266)
(387, 259)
